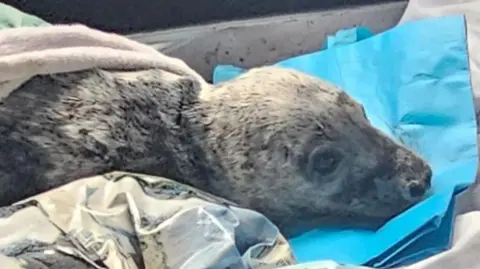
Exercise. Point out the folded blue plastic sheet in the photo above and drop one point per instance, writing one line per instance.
(347, 37)
(323, 265)
(433, 237)
(414, 83)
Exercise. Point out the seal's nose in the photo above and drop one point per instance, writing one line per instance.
(417, 187)
(416, 190)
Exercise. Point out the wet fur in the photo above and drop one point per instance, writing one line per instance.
(255, 140)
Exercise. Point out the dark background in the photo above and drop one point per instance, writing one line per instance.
(128, 16)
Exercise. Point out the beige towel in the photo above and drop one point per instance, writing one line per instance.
(29, 51)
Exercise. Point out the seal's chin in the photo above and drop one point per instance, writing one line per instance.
(360, 215)
(374, 213)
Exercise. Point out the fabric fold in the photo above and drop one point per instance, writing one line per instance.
(29, 51)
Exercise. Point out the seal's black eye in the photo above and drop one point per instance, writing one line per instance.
(323, 161)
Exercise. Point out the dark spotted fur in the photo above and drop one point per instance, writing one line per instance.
(274, 140)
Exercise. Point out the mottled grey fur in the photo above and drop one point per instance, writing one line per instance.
(274, 140)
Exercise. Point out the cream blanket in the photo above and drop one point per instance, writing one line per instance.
(29, 51)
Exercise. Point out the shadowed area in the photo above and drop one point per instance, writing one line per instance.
(127, 16)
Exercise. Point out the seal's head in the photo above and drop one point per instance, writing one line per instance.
(303, 153)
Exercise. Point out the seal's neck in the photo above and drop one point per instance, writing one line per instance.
(201, 165)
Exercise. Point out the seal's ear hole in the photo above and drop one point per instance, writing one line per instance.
(323, 161)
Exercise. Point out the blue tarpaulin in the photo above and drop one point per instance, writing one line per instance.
(414, 83)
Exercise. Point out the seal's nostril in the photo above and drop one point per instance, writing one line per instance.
(416, 190)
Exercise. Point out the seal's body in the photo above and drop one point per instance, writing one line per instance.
(275, 140)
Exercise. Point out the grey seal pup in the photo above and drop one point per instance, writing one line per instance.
(275, 140)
